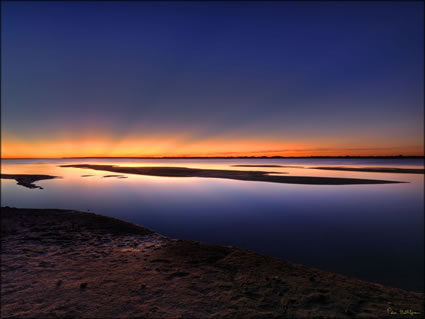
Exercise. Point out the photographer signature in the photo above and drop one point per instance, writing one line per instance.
(402, 312)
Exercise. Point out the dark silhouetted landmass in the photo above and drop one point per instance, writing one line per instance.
(257, 176)
(376, 169)
(68, 264)
(27, 180)
(223, 157)
(117, 176)
(244, 157)
(266, 165)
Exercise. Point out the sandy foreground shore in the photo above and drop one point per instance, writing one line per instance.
(67, 264)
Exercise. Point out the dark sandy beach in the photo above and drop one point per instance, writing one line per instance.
(258, 176)
(67, 264)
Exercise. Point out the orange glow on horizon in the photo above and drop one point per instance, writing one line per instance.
(182, 147)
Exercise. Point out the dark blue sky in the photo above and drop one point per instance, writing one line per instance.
(322, 75)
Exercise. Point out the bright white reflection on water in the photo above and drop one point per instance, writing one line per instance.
(373, 232)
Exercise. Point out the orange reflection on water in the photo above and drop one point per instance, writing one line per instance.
(96, 178)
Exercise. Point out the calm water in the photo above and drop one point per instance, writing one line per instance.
(372, 232)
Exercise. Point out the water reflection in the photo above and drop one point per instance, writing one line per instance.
(373, 232)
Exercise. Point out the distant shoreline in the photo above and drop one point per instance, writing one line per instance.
(225, 157)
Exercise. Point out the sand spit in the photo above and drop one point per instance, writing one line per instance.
(266, 165)
(27, 180)
(117, 176)
(67, 264)
(258, 176)
(376, 169)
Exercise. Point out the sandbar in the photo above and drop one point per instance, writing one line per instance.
(375, 169)
(266, 165)
(117, 176)
(27, 180)
(258, 176)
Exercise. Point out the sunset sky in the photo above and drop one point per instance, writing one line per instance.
(212, 78)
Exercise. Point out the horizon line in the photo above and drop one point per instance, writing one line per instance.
(217, 157)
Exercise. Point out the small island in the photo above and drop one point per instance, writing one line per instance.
(27, 180)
